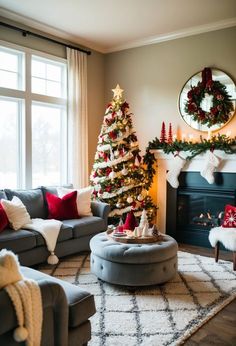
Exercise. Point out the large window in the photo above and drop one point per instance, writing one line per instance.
(33, 119)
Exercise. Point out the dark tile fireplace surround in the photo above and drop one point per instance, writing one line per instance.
(196, 206)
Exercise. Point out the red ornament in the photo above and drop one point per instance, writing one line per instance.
(108, 188)
(163, 133)
(170, 137)
(108, 171)
(112, 135)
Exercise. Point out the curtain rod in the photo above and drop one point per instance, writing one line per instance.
(26, 32)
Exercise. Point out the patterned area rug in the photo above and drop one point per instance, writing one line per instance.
(159, 315)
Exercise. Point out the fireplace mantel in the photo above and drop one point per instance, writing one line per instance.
(227, 165)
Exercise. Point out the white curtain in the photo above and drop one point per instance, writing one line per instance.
(78, 117)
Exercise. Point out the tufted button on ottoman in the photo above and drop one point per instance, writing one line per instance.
(133, 264)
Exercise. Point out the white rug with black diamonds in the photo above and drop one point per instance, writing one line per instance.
(160, 315)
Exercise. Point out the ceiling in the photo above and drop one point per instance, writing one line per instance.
(112, 25)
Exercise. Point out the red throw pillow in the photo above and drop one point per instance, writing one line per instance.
(62, 208)
(3, 219)
(229, 217)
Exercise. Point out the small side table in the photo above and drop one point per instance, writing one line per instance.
(226, 236)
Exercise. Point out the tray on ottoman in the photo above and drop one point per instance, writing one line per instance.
(125, 238)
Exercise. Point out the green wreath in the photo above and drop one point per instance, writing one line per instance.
(222, 105)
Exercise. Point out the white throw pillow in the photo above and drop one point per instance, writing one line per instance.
(16, 212)
(83, 200)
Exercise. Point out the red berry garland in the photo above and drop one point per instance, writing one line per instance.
(221, 108)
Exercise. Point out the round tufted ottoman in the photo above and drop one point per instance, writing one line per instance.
(133, 264)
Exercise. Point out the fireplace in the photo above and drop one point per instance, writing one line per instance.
(196, 206)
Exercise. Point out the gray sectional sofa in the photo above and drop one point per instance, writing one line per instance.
(74, 235)
(66, 307)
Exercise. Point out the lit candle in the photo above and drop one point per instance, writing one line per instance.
(190, 136)
(174, 137)
(228, 133)
(183, 137)
(209, 134)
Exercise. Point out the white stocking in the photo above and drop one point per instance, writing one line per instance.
(211, 162)
(176, 166)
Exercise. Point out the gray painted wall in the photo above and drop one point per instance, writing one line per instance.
(154, 75)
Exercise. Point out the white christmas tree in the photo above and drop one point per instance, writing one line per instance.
(143, 220)
(118, 177)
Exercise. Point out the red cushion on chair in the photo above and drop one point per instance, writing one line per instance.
(230, 216)
(3, 219)
(62, 208)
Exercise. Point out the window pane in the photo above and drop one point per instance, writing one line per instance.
(38, 86)
(54, 72)
(53, 89)
(51, 73)
(8, 61)
(46, 145)
(9, 143)
(8, 80)
(11, 69)
(38, 69)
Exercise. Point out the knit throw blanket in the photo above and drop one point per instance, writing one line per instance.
(26, 298)
(49, 229)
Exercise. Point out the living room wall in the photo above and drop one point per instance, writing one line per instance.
(153, 76)
(95, 77)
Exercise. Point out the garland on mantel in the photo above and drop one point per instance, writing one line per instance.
(219, 142)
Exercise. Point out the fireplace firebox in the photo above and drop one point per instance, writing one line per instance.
(196, 206)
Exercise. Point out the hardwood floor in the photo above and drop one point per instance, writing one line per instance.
(221, 329)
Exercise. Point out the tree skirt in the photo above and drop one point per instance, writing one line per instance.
(156, 315)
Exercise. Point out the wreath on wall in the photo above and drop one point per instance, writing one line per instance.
(221, 108)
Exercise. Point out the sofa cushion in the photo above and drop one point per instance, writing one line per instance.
(62, 208)
(17, 241)
(64, 234)
(2, 194)
(86, 226)
(81, 303)
(83, 199)
(33, 201)
(16, 212)
(4, 222)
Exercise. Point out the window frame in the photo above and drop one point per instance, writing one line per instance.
(24, 175)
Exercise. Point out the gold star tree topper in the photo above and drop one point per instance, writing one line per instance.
(117, 92)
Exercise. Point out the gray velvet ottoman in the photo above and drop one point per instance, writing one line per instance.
(133, 264)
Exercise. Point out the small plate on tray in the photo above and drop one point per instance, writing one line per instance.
(119, 234)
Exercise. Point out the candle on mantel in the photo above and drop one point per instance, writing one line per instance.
(209, 134)
(174, 138)
(183, 137)
(190, 136)
(228, 133)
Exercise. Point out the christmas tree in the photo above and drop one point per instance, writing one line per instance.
(118, 177)
(163, 133)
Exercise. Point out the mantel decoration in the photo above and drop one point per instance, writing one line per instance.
(207, 100)
(218, 142)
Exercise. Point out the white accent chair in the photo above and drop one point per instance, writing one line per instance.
(226, 236)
